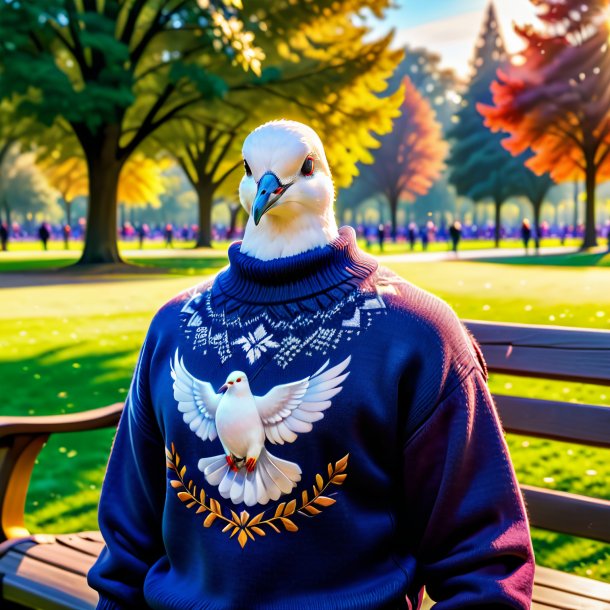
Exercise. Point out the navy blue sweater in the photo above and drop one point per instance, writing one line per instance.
(355, 456)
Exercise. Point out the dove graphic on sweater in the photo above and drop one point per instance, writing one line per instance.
(247, 472)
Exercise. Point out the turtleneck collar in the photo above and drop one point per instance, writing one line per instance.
(331, 270)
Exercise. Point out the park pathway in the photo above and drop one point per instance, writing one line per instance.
(109, 273)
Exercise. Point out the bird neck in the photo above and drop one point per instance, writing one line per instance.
(277, 236)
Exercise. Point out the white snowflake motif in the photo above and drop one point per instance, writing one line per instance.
(255, 344)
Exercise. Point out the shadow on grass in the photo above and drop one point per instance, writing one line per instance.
(573, 259)
(23, 273)
(66, 481)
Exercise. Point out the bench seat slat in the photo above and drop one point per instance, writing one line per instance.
(572, 514)
(545, 351)
(572, 583)
(58, 555)
(81, 545)
(555, 598)
(584, 424)
(36, 584)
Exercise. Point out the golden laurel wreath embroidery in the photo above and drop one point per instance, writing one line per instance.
(245, 527)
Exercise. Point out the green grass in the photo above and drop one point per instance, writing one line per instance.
(73, 347)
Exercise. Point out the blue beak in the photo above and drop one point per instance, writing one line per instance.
(270, 189)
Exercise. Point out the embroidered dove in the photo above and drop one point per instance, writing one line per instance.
(247, 472)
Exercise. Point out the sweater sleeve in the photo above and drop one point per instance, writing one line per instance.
(131, 501)
(465, 516)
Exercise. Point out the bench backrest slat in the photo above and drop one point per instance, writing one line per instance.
(545, 351)
(568, 513)
(571, 355)
(563, 421)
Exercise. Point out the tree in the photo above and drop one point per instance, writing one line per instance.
(411, 156)
(438, 85)
(481, 168)
(535, 188)
(310, 74)
(69, 178)
(141, 181)
(23, 188)
(116, 71)
(557, 101)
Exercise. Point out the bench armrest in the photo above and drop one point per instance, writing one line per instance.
(21, 439)
(93, 419)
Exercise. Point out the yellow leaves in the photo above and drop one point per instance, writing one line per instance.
(141, 181)
(289, 525)
(319, 482)
(341, 465)
(241, 525)
(210, 519)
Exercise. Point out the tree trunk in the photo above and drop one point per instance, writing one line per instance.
(101, 237)
(590, 240)
(537, 205)
(68, 206)
(498, 215)
(234, 213)
(575, 223)
(205, 196)
(393, 215)
(7, 211)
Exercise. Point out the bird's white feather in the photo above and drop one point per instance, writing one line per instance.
(197, 400)
(286, 409)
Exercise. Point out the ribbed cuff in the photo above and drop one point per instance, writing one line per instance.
(105, 603)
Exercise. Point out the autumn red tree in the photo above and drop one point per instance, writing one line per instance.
(557, 101)
(411, 156)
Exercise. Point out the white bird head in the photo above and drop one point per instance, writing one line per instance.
(236, 384)
(287, 189)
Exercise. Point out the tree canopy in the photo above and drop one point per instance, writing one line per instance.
(411, 156)
(556, 102)
(481, 168)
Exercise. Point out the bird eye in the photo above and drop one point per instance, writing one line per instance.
(307, 169)
(238, 379)
(247, 168)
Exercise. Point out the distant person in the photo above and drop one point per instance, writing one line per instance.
(142, 230)
(169, 235)
(425, 238)
(4, 236)
(563, 233)
(526, 234)
(412, 235)
(431, 229)
(44, 234)
(185, 233)
(66, 231)
(455, 233)
(381, 236)
(367, 237)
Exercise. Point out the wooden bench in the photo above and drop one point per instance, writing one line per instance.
(43, 571)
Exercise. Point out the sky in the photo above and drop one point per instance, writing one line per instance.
(451, 27)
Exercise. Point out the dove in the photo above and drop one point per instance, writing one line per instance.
(247, 472)
(287, 190)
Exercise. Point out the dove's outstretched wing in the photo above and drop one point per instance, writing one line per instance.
(291, 408)
(196, 400)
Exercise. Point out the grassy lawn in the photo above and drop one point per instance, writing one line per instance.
(73, 347)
